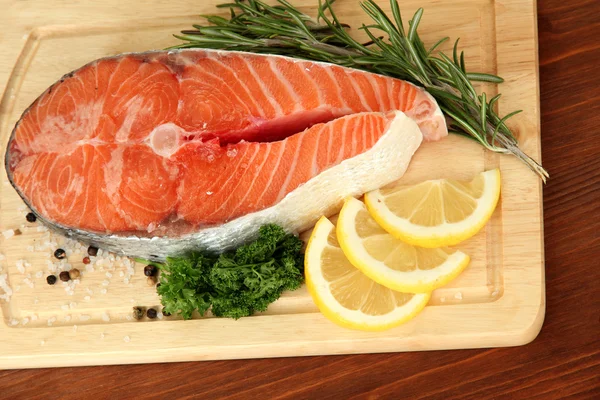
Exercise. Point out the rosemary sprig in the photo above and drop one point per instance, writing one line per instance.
(255, 26)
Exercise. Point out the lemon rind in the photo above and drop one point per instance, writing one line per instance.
(448, 234)
(417, 281)
(335, 312)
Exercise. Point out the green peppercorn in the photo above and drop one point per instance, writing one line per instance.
(138, 313)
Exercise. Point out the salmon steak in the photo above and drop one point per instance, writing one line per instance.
(158, 153)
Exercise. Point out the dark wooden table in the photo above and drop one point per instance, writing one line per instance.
(563, 362)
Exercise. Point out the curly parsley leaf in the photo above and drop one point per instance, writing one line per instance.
(234, 284)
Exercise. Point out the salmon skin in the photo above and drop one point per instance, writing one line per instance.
(158, 153)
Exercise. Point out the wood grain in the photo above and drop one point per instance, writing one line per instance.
(497, 301)
(563, 362)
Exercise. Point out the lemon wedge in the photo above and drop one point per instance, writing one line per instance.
(345, 295)
(436, 213)
(390, 261)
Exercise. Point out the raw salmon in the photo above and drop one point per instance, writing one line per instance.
(174, 150)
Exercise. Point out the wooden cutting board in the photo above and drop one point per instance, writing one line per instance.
(497, 301)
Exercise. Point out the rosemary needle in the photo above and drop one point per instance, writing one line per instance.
(394, 50)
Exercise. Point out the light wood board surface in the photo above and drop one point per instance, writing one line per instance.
(497, 301)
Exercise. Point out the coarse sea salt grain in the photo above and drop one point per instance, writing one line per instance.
(42, 342)
(8, 233)
(20, 264)
(39, 274)
(13, 322)
(5, 287)
(105, 283)
(458, 296)
(34, 317)
(25, 321)
(74, 328)
(51, 320)
(103, 291)
(64, 307)
(109, 275)
(68, 317)
(29, 249)
(87, 298)
(102, 336)
(105, 317)
(84, 317)
(127, 339)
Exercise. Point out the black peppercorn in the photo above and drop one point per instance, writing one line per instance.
(92, 251)
(149, 270)
(166, 313)
(51, 279)
(60, 254)
(30, 217)
(151, 313)
(64, 276)
(138, 313)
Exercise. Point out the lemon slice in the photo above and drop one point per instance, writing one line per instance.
(436, 213)
(390, 261)
(347, 296)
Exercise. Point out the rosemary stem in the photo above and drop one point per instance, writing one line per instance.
(393, 50)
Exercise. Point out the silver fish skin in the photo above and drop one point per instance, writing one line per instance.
(324, 194)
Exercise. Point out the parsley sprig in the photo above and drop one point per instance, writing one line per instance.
(234, 284)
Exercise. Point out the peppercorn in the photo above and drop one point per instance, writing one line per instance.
(138, 313)
(93, 251)
(51, 279)
(64, 276)
(31, 217)
(149, 270)
(166, 313)
(74, 273)
(158, 285)
(86, 260)
(60, 254)
(151, 313)
(151, 280)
